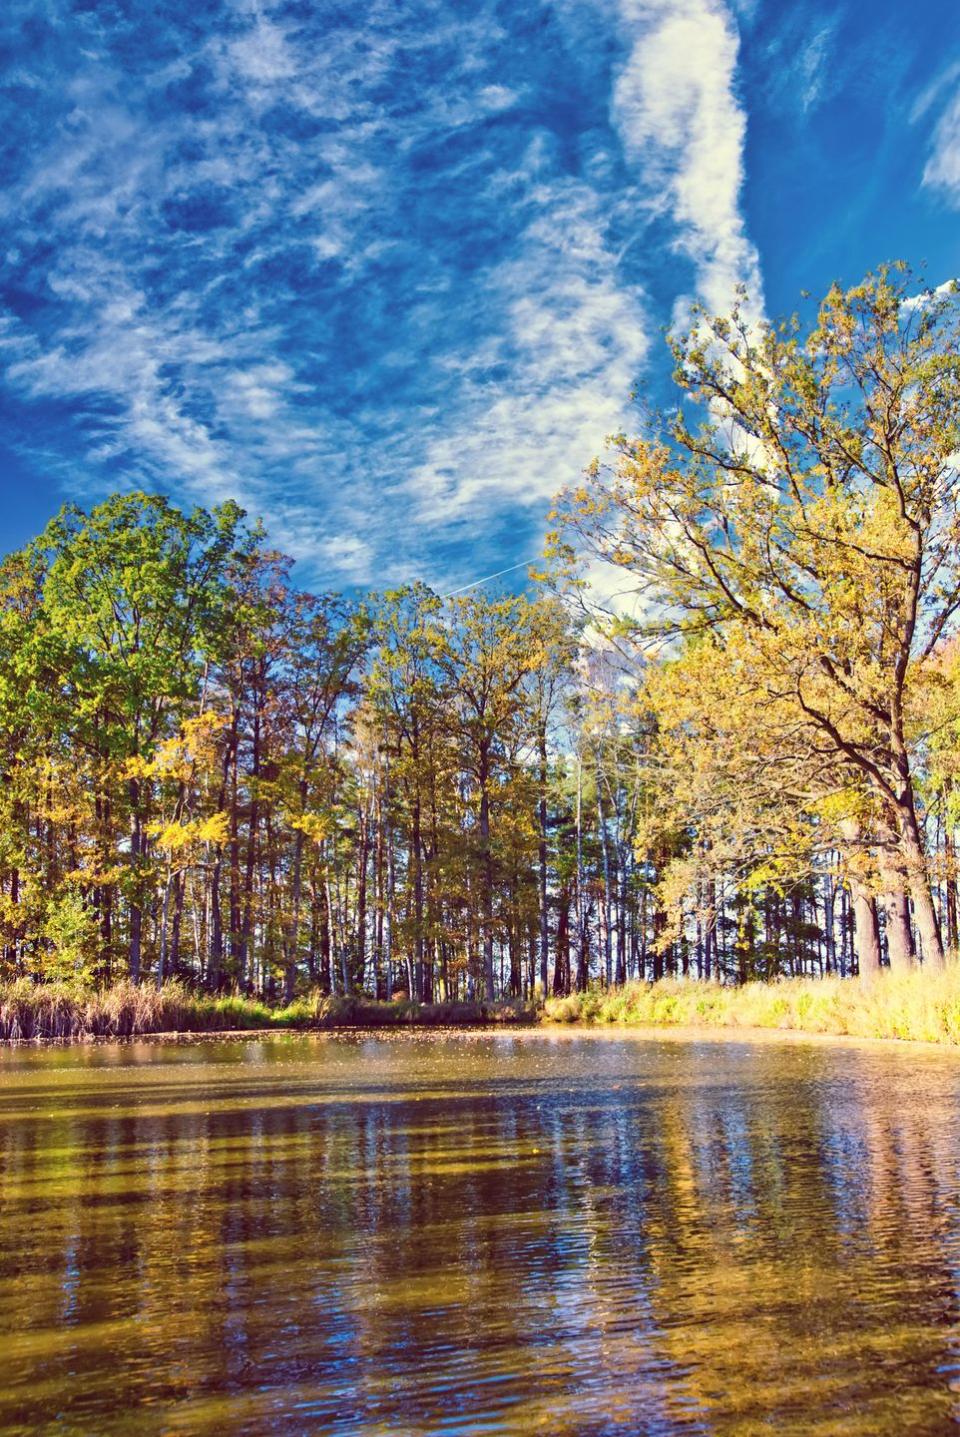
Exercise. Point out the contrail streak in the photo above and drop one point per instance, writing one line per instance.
(476, 583)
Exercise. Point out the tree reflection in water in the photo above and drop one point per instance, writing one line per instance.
(515, 1232)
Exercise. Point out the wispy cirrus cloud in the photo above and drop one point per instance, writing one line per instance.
(380, 275)
(938, 105)
(578, 328)
(942, 170)
(537, 401)
(676, 106)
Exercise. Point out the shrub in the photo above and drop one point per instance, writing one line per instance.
(563, 1010)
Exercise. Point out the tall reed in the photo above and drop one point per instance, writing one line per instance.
(125, 1010)
(62, 1010)
(919, 1006)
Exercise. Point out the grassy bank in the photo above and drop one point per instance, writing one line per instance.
(918, 1006)
(61, 1010)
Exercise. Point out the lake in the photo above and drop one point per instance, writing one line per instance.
(510, 1232)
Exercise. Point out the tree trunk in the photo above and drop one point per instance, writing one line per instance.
(215, 959)
(582, 954)
(177, 923)
(215, 967)
(331, 935)
(561, 957)
(894, 903)
(928, 926)
(136, 911)
(895, 908)
(605, 854)
(236, 921)
(950, 880)
(622, 875)
(164, 917)
(388, 921)
(866, 932)
(542, 857)
(829, 897)
(659, 924)
(416, 860)
(360, 931)
(488, 977)
(911, 846)
(246, 929)
(293, 932)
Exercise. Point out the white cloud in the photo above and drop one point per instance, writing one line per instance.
(916, 302)
(350, 558)
(932, 92)
(811, 70)
(942, 170)
(191, 362)
(577, 335)
(574, 342)
(261, 55)
(675, 106)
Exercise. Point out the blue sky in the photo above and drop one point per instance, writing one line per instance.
(387, 273)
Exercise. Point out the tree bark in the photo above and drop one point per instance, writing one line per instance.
(293, 932)
(911, 846)
(894, 902)
(542, 859)
(866, 932)
(607, 933)
(487, 858)
(895, 908)
(136, 910)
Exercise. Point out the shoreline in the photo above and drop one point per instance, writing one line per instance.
(917, 1007)
(562, 1031)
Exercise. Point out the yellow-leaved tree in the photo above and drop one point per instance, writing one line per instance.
(817, 509)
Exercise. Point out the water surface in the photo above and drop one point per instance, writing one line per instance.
(479, 1233)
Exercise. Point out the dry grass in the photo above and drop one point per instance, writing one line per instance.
(919, 1006)
(366, 1013)
(63, 1011)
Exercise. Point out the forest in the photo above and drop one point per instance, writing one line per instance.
(717, 736)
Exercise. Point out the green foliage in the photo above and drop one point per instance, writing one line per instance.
(70, 928)
(211, 775)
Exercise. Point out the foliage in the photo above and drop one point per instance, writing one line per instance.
(798, 552)
(214, 777)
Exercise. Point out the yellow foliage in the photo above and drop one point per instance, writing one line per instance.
(316, 826)
(176, 838)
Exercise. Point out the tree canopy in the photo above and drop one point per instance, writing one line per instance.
(749, 769)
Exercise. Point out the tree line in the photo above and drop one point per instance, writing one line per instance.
(789, 537)
(743, 767)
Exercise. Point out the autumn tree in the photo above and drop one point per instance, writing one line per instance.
(131, 598)
(407, 690)
(493, 646)
(817, 508)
